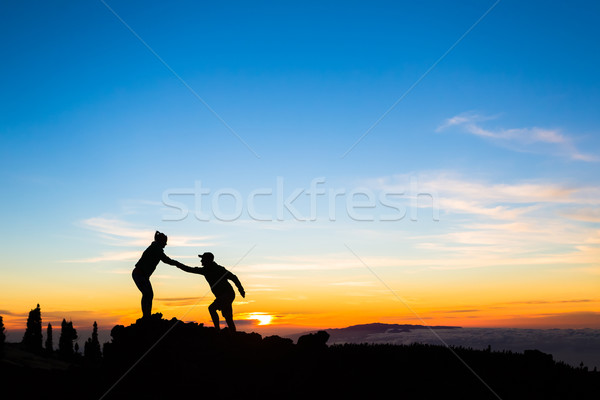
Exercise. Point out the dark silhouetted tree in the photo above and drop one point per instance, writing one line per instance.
(32, 339)
(91, 348)
(68, 335)
(2, 335)
(49, 342)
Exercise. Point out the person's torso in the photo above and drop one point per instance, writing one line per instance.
(150, 259)
(216, 276)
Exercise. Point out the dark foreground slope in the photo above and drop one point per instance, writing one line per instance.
(168, 358)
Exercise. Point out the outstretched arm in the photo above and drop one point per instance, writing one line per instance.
(238, 284)
(176, 263)
(193, 270)
(164, 258)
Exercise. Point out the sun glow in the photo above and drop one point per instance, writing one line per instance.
(262, 318)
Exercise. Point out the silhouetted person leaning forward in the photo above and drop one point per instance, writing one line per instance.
(217, 277)
(146, 266)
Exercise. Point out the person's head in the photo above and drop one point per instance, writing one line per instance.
(160, 238)
(207, 258)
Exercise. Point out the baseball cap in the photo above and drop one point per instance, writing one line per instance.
(207, 256)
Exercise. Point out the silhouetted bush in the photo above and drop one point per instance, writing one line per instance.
(314, 341)
(277, 343)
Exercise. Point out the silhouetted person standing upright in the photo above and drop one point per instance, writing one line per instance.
(146, 266)
(217, 277)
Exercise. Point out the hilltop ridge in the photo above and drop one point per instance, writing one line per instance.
(160, 358)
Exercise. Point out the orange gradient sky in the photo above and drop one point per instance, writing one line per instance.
(307, 292)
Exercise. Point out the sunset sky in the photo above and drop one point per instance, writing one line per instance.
(400, 162)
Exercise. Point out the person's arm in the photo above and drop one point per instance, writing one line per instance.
(164, 258)
(192, 270)
(237, 283)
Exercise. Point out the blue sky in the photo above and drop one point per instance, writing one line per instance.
(95, 128)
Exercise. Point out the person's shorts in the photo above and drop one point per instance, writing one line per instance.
(224, 303)
(142, 281)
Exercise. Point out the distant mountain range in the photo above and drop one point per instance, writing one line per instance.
(361, 333)
(378, 327)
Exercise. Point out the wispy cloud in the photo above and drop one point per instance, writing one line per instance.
(585, 214)
(180, 301)
(459, 311)
(498, 201)
(529, 139)
(111, 256)
(354, 283)
(555, 245)
(7, 312)
(324, 262)
(122, 233)
(176, 298)
(509, 223)
(263, 288)
(118, 233)
(554, 301)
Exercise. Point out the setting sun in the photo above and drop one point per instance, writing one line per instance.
(262, 318)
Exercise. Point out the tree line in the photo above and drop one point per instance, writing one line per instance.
(67, 347)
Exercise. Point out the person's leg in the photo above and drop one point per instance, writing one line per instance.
(143, 284)
(147, 298)
(228, 315)
(212, 309)
(230, 323)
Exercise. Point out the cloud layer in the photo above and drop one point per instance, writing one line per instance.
(571, 346)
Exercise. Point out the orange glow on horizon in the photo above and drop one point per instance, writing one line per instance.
(440, 300)
(262, 318)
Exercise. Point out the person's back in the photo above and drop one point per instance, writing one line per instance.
(218, 279)
(150, 258)
(146, 266)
